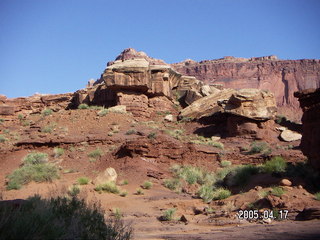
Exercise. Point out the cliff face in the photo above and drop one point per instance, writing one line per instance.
(282, 77)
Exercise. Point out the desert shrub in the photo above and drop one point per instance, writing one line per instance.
(225, 163)
(176, 133)
(172, 184)
(2, 139)
(124, 182)
(83, 180)
(216, 144)
(131, 131)
(110, 187)
(74, 190)
(277, 191)
(317, 196)
(83, 106)
(123, 194)
(59, 218)
(168, 214)
(20, 116)
(186, 119)
(58, 152)
(42, 172)
(117, 213)
(276, 164)
(35, 158)
(96, 107)
(147, 185)
(257, 147)
(46, 112)
(152, 135)
(1, 120)
(48, 128)
(221, 193)
(95, 154)
(25, 123)
(139, 191)
(240, 175)
(206, 193)
(103, 112)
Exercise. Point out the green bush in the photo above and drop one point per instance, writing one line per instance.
(225, 163)
(193, 175)
(41, 172)
(83, 180)
(58, 152)
(103, 112)
(221, 193)
(124, 182)
(276, 164)
(2, 139)
(1, 120)
(59, 218)
(139, 191)
(49, 128)
(83, 106)
(46, 112)
(20, 116)
(240, 175)
(206, 193)
(97, 153)
(147, 185)
(258, 147)
(109, 187)
(277, 191)
(35, 158)
(74, 190)
(168, 214)
(123, 194)
(173, 184)
(317, 196)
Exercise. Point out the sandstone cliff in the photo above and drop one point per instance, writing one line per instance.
(282, 77)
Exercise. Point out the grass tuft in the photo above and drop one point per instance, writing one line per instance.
(46, 112)
(83, 106)
(275, 165)
(83, 180)
(58, 152)
(35, 158)
(95, 154)
(109, 187)
(277, 191)
(168, 215)
(147, 185)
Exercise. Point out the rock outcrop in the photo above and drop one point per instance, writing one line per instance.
(310, 103)
(35, 103)
(282, 77)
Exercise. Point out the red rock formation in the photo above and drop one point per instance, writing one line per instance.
(282, 77)
(310, 103)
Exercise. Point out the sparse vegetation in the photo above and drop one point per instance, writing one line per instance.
(46, 112)
(59, 218)
(258, 147)
(20, 117)
(2, 139)
(49, 128)
(83, 180)
(207, 141)
(147, 185)
(83, 106)
(139, 191)
(74, 190)
(173, 184)
(206, 193)
(35, 168)
(277, 191)
(123, 194)
(225, 163)
(124, 182)
(25, 123)
(176, 133)
(317, 196)
(131, 131)
(240, 175)
(221, 193)
(95, 154)
(117, 213)
(280, 119)
(275, 165)
(58, 152)
(103, 112)
(168, 214)
(152, 135)
(1, 120)
(35, 158)
(109, 187)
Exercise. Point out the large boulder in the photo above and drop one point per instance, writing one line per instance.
(109, 175)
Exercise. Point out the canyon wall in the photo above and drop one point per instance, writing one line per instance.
(282, 77)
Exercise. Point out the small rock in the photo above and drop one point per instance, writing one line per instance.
(285, 182)
(215, 138)
(300, 187)
(183, 219)
(267, 220)
(281, 129)
(169, 118)
(290, 136)
(258, 188)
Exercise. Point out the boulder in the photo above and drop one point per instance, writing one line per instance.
(285, 182)
(109, 175)
(252, 103)
(290, 136)
(169, 118)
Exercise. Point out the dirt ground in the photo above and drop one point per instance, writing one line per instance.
(138, 157)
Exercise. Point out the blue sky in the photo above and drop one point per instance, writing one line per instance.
(56, 46)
